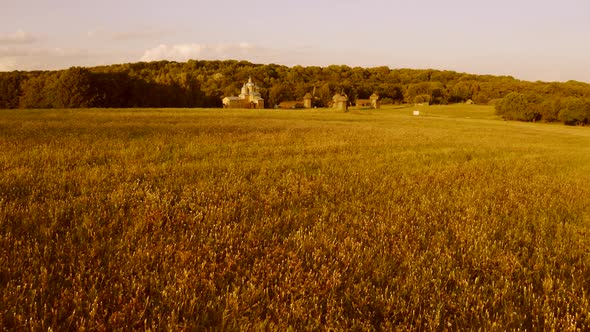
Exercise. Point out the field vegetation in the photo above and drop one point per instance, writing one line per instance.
(187, 219)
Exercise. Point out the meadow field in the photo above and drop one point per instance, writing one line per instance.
(191, 219)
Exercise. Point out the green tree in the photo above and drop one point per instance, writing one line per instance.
(74, 89)
(460, 92)
(36, 92)
(10, 89)
(438, 93)
(417, 89)
(276, 94)
(324, 94)
(549, 109)
(521, 107)
(574, 111)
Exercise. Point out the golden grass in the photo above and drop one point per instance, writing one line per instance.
(310, 219)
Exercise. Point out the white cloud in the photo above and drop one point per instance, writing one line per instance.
(221, 51)
(13, 52)
(180, 52)
(8, 64)
(95, 33)
(101, 33)
(18, 37)
(132, 35)
(32, 52)
(15, 58)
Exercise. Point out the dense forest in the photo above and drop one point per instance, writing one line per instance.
(204, 83)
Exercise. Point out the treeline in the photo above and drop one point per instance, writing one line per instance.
(571, 110)
(96, 87)
(204, 83)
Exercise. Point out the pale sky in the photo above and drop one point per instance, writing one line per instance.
(544, 40)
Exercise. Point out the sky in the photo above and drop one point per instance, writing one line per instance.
(527, 39)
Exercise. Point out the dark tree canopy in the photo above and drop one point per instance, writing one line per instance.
(203, 84)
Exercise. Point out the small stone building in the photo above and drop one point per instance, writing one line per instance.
(248, 98)
(374, 100)
(340, 102)
(290, 104)
(363, 102)
(307, 100)
(306, 103)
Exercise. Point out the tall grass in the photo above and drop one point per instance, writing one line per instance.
(368, 220)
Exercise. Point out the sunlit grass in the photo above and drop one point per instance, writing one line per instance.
(240, 219)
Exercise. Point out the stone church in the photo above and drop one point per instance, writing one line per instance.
(248, 98)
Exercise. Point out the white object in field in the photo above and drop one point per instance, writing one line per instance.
(416, 112)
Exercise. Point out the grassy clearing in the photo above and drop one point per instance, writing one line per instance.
(238, 219)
